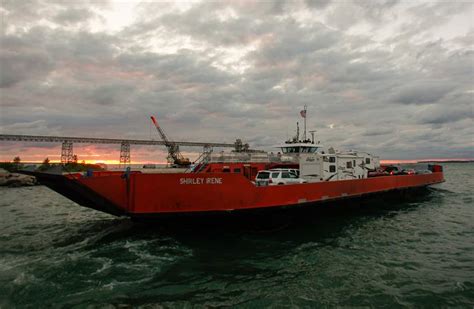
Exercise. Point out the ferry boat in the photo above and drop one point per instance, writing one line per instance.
(225, 183)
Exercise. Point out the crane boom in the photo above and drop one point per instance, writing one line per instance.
(173, 148)
(160, 131)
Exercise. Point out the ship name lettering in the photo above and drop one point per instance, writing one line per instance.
(213, 180)
(191, 181)
(200, 181)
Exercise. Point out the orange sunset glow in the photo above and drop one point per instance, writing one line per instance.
(108, 154)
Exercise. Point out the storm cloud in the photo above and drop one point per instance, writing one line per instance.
(391, 77)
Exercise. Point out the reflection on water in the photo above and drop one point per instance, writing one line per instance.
(416, 252)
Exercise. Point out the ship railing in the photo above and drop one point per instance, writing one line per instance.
(238, 157)
(248, 157)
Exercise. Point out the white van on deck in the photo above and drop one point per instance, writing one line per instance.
(275, 177)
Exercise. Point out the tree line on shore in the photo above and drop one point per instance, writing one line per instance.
(16, 165)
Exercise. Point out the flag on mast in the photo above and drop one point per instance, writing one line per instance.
(303, 113)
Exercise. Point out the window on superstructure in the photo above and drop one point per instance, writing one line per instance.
(349, 164)
(332, 168)
(332, 159)
(367, 160)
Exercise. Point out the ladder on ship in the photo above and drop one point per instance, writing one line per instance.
(201, 162)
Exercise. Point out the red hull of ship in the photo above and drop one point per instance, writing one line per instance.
(154, 194)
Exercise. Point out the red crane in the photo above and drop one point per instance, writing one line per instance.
(174, 155)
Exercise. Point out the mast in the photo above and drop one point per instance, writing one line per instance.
(312, 136)
(305, 114)
(297, 131)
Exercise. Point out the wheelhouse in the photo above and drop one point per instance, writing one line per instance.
(296, 148)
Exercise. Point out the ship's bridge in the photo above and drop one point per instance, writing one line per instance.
(300, 148)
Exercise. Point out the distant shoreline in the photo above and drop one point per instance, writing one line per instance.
(448, 161)
(391, 162)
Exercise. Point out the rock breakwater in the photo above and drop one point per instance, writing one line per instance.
(16, 180)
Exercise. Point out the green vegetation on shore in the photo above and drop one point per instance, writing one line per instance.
(81, 167)
(16, 165)
(13, 166)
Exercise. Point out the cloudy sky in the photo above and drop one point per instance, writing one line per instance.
(391, 77)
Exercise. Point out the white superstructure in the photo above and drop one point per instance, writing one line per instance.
(314, 161)
(317, 163)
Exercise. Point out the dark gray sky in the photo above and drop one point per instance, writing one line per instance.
(391, 77)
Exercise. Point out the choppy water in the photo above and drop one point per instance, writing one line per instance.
(412, 253)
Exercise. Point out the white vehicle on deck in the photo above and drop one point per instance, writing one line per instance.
(272, 177)
(291, 170)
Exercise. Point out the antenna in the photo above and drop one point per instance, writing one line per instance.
(305, 114)
(297, 131)
(312, 136)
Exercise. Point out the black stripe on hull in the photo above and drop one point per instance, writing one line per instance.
(76, 192)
